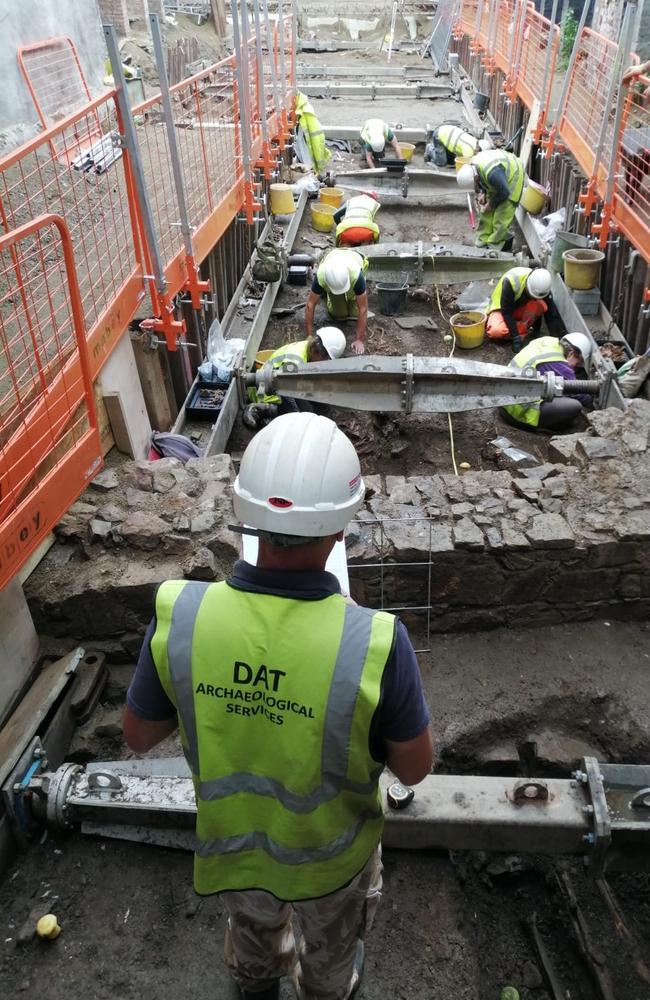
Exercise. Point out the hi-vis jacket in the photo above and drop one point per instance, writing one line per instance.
(360, 212)
(516, 278)
(458, 143)
(490, 160)
(313, 132)
(286, 789)
(541, 351)
(297, 350)
(355, 262)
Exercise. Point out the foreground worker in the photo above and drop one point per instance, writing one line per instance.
(564, 357)
(290, 699)
(448, 142)
(340, 277)
(498, 179)
(326, 345)
(374, 135)
(355, 222)
(517, 304)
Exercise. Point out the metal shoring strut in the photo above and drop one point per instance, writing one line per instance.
(194, 285)
(266, 162)
(277, 100)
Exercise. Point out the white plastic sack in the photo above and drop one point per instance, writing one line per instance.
(222, 352)
(308, 183)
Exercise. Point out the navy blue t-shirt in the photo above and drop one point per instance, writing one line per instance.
(402, 713)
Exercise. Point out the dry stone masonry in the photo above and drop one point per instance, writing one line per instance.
(564, 541)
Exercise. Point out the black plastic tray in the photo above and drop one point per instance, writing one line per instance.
(201, 408)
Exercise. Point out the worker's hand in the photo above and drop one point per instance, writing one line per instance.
(359, 347)
(481, 201)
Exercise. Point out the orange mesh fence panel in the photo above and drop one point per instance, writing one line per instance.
(94, 200)
(467, 17)
(49, 443)
(58, 87)
(503, 33)
(585, 107)
(532, 83)
(632, 169)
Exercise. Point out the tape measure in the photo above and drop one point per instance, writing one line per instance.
(399, 795)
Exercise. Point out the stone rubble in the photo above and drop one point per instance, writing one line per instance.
(567, 540)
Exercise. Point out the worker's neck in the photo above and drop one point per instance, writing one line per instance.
(296, 558)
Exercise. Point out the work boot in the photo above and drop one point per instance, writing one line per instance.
(252, 417)
(271, 993)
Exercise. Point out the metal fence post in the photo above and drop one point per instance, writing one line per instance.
(270, 47)
(244, 116)
(547, 65)
(261, 93)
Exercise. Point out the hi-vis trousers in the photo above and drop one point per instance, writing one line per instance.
(261, 944)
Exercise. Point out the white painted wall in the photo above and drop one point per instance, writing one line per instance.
(24, 21)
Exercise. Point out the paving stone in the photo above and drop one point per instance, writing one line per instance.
(635, 441)
(402, 492)
(111, 512)
(204, 521)
(105, 480)
(80, 508)
(607, 423)
(633, 526)
(551, 506)
(513, 538)
(467, 535)
(562, 447)
(214, 467)
(201, 565)
(461, 509)
(490, 505)
(141, 475)
(100, 531)
(494, 538)
(550, 531)
(373, 486)
(592, 449)
(556, 487)
(143, 530)
(529, 489)
(137, 498)
(181, 523)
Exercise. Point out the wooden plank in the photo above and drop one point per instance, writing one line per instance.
(28, 568)
(106, 439)
(23, 725)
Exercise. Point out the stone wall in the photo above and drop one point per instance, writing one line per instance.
(115, 12)
(564, 541)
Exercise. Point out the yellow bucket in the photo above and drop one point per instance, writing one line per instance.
(460, 161)
(332, 196)
(322, 216)
(407, 149)
(282, 202)
(469, 329)
(582, 268)
(261, 358)
(533, 198)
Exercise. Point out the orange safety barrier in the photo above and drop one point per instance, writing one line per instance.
(49, 441)
(631, 195)
(539, 52)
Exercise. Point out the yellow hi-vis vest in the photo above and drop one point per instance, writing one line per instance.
(296, 351)
(355, 262)
(458, 143)
(489, 159)
(313, 132)
(541, 351)
(360, 212)
(516, 278)
(275, 698)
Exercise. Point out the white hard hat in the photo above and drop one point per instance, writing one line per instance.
(333, 341)
(337, 274)
(484, 144)
(466, 177)
(376, 135)
(581, 343)
(300, 475)
(538, 283)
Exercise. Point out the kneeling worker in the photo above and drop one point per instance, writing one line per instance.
(498, 178)
(327, 345)
(374, 135)
(448, 142)
(341, 278)
(356, 226)
(548, 354)
(517, 304)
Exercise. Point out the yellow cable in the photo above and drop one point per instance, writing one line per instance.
(453, 348)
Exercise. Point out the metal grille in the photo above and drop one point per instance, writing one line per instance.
(58, 87)
(632, 168)
(49, 443)
(537, 63)
(437, 45)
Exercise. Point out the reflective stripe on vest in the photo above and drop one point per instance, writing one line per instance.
(355, 262)
(360, 213)
(489, 160)
(337, 814)
(457, 141)
(542, 351)
(516, 278)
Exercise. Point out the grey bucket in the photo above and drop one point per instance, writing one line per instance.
(481, 101)
(565, 241)
(392, 297)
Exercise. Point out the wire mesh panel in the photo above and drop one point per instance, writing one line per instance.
(586, 103)
(49, 443)
(92, 195)
(58, 87)
(503, 34)
(537, 64)
(632, 168)
(438, 44)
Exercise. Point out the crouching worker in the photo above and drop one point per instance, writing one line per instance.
(290, 700)
(327, 345)
(564, 357)
(355, 222)
(340, 277)
(374, 135)
(517, 304)
(449, 141)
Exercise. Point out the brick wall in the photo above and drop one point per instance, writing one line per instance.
(139, 9)
(115, 12)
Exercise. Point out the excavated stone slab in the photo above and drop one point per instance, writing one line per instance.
(550, 531)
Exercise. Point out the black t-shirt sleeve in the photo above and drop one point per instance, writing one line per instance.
(360, 284)
(316, 287)
(403, 712)
(146, 695)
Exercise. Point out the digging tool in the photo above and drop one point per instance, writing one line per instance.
(470, 208)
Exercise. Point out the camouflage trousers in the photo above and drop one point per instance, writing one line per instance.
(314, 941)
